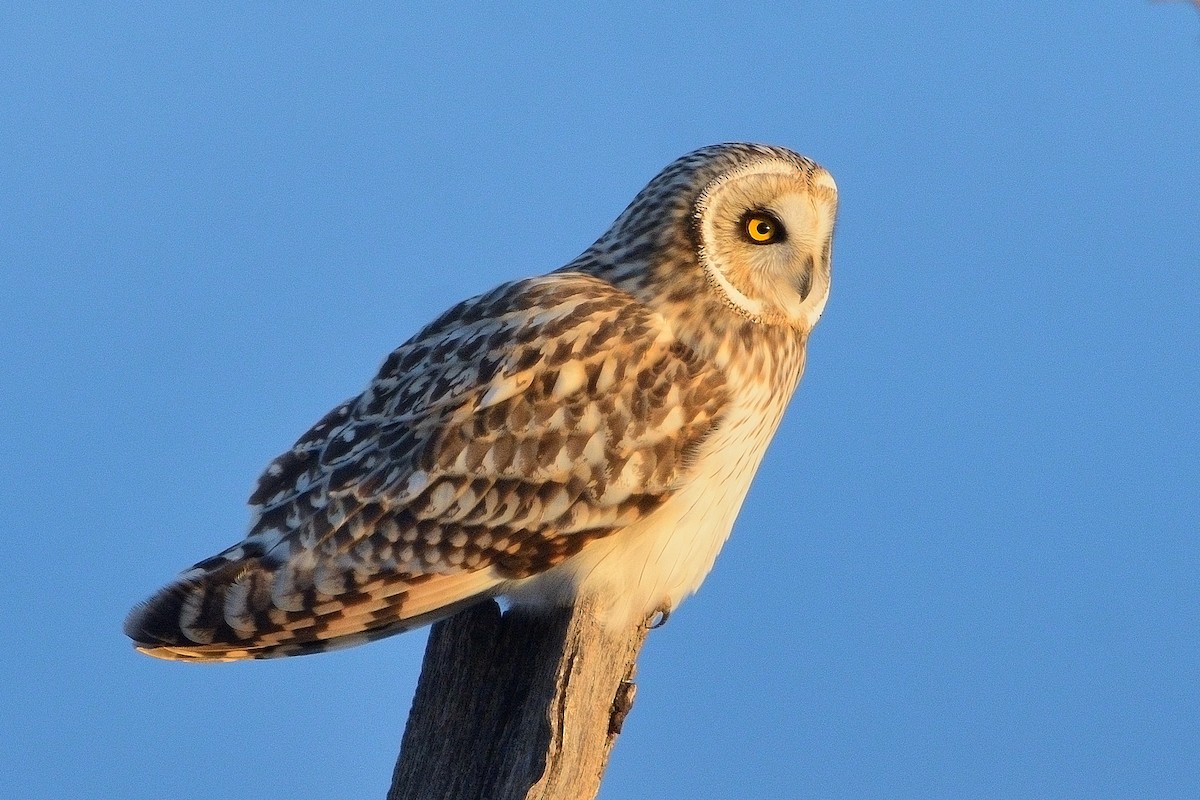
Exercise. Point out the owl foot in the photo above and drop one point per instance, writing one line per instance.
(659, 617)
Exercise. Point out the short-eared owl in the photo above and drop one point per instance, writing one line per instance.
(593, 430)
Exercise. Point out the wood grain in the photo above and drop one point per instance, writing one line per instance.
(521, 706)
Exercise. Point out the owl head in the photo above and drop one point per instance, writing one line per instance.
(751, 223)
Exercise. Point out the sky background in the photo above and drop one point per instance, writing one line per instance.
(970, 564)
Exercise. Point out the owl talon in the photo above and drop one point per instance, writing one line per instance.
(658, 618)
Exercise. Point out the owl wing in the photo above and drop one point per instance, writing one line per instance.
(493, 445)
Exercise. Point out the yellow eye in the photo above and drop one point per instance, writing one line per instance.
(762, 228)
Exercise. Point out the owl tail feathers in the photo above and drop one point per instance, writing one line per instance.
(234, 610)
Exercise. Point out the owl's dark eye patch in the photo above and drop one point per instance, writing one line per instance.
(762, 227)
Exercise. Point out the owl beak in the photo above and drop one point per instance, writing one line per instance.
(804, 280)
(813, 282)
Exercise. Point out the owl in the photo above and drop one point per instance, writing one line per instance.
(592, 431)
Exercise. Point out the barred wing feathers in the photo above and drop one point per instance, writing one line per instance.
(500, 440)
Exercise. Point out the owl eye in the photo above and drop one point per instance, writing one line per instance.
(762, 227)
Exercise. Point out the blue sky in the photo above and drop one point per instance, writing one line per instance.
(969, 565)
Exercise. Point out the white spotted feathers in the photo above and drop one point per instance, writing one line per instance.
(593, 430)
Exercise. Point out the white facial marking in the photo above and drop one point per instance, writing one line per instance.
(785, 281)
(823, 178)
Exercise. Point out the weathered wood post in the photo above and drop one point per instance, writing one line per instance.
(520, 706)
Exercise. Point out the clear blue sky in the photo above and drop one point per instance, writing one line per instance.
(970, 565)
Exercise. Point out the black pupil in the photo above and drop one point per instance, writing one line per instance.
(762, 227)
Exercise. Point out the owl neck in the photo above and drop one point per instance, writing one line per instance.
(702, 317)
(742, 347)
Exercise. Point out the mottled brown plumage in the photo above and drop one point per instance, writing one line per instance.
(527, 435)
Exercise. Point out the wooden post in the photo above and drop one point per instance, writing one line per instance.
(524, 706)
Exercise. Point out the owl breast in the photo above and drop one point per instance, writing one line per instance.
(656, 562)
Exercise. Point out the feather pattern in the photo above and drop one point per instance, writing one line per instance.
(497, 442)
(590, 430)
